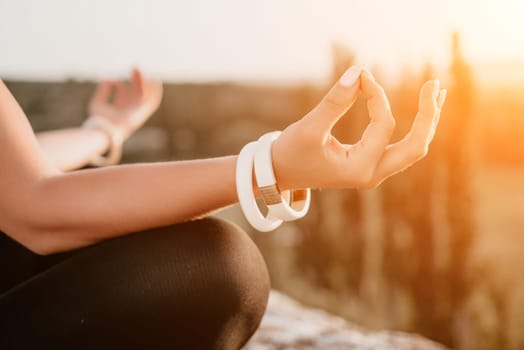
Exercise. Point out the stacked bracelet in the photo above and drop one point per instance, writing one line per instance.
(246, 197)
(279, 205)
(116, 139)
(282, 206)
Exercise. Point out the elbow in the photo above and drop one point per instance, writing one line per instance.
(34, 238)
(39, 242)
(39, 246)
(26, 225)
(39, 222)
(42, 238)
(29, 219)
(42, 241)
(41, 250)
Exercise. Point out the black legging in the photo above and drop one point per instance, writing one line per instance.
(196, 285)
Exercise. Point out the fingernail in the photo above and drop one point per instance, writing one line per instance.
(351, 76)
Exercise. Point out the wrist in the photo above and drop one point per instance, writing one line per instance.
(115, 138)
(282, 205)
(282, 177)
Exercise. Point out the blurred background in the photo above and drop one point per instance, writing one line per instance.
(436, 250)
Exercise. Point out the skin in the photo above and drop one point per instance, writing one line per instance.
(132, 105)
(49, 210)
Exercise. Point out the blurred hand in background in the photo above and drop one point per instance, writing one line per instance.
(127, 105)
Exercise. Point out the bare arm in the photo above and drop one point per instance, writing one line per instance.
(89, 206)
(49, 211)
(130, 106)
(70, 149)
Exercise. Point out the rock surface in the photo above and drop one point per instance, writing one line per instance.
(289, 325)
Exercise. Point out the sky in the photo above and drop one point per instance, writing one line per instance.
(247, 40)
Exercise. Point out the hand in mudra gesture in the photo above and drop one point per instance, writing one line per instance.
(307, 155)
(127, 106)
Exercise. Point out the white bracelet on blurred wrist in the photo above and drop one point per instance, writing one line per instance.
(116, 139)
(256, 157)
(286, 206)
(246, 197)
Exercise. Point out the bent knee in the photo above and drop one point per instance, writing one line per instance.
(232, 265)
(241, 279)
(219, 277)
(216, 268)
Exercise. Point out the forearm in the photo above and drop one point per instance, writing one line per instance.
(70, 149)
(50, 211)
(82, 208)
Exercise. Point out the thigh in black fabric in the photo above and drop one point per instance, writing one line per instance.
(196, 285)
(18, 264)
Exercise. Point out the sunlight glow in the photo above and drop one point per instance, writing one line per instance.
(494, 29)
(271, 40)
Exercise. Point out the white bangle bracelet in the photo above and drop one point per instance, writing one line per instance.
(116, 139)
(279, 204)
(244, 184)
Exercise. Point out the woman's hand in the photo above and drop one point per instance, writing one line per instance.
(308, 155)
(127, 106)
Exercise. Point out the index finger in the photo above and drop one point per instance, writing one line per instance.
(378, 133)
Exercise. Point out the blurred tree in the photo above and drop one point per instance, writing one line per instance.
(456, 145)
(428, 243)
